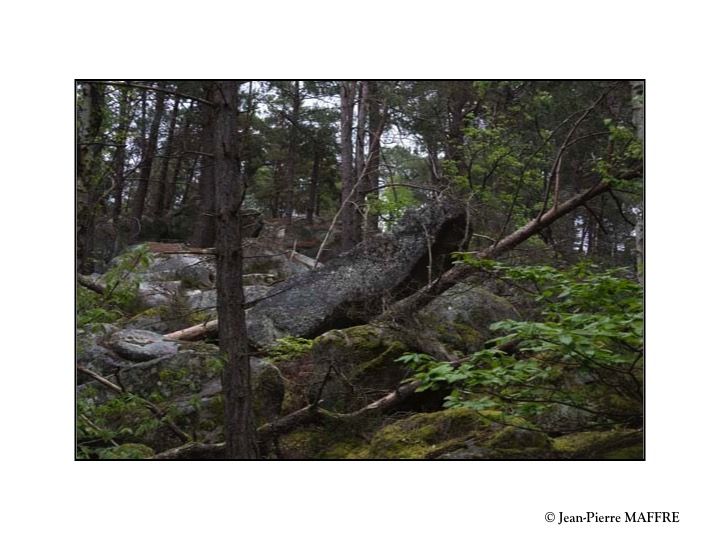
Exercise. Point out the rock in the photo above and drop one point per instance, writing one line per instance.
(614, 444)
(427, 435)
(141, 345)
(155, 294)
(462, 315)
(354, 367)
(350, 288)
(202, 300)
(195, 271)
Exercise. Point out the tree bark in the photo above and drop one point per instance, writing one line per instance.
(347, 97)
(314, 184)
(375, 126)
(119, 158)
(148, 158)
(638, 112)
(204, 230)
(163, 178)
(292, 153)
(240, 435)
(90, 119)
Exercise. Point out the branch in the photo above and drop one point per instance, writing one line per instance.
(153, 89)
(150, 405)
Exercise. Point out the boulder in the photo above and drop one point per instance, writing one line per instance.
(353, 367)
(351, 288)
(461, 316)
(141, 345)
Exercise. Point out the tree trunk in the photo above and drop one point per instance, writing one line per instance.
(240, 434)
(360, 170)
(347, 97)
(163, 178)
(292, 153)
(119, 158)
(90, 118)
(147, 159)
(638, 112)
(375, 126)
(204, 230)
(314, 181)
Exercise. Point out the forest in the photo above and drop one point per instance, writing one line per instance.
(359, 269)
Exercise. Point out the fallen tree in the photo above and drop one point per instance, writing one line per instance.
(352, 288)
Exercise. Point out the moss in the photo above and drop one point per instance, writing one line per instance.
(128, 451)
(600, 445)
(322, 443)
(513, 438)
(423, 435)
(635, 451)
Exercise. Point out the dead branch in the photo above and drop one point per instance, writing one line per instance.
(159, 414)
(90, 284)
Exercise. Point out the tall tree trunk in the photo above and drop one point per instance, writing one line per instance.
(171, 193)
(360, 170)
(119, 158)
(314, 181)
(292, 153)
(347, 98)
(375, 126)
(90, 118)
(148, 157)
(638, 112)
(164, 178)
(204, 230)
(230, 191)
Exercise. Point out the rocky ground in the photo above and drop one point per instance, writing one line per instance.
(317, 341)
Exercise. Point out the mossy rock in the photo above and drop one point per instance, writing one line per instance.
(353, 367)
(462, 315)
(427, 435)
(322, 442)
(615, 444)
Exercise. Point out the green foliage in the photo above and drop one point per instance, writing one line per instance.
(120, 290)
(591, 331)
(289, 347)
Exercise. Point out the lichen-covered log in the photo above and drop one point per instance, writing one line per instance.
(352, 288)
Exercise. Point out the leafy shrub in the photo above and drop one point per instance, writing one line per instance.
(587, 352)
(120, 296)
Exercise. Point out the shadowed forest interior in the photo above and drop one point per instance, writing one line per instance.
(359, 269)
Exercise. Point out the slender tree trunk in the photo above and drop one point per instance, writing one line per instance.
(239, 423)
(171, 193)
(188, 184)
(163, 178)
(292, 153)
(375, 126)
(638, 110)
(360, 170)
(148, 158)
(90, 118)
(314, 180)
(204, 231)
(119, 158)
(347, 97)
